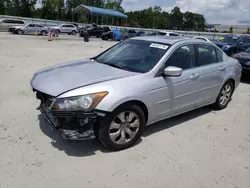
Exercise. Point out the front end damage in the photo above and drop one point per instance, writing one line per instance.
(73, 125)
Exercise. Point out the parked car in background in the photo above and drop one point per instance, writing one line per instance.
(5, 24)
(166, 33)
(139, 33)
(97, 31)
(244, 59)
(107, 35)
(113, 96)
(66, 28)
(161, 33)
(232, 44)
(201, 38)
(127, 33)
(30, 29)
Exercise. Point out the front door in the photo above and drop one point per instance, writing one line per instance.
(182, 90)
(211, 70)
(30, 29)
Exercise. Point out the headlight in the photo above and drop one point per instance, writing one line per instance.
(84, 102)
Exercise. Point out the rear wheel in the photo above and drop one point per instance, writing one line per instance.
(224, 96)
(122, 128)
(44, 33)
(73, 32)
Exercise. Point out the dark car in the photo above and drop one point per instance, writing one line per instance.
(232, 44)
(97, 31)
(107, 35)
(139, 33)
(244, 59)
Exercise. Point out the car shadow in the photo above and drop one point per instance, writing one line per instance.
(71, 148)
(88, 148)
(171, 122)
(245, 79)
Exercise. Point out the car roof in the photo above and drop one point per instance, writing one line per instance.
(165, 39)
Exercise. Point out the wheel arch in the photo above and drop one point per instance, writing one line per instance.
(137, 102)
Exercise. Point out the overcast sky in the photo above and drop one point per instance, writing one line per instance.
(215, 11)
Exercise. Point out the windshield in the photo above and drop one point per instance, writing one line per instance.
(230, 39)
(248, 50)
(134, 55)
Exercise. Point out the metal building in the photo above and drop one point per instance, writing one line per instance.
(101, 15)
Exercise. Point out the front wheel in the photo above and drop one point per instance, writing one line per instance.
(20, 32)
(224, 96)
(122, 128)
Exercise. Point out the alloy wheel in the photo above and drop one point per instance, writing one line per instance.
(225, 94)
(124, 127)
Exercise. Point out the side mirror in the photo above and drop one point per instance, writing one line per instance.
(172, 71)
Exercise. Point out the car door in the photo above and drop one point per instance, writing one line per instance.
(183, 89)
(30, 29)
(177, 94)
(210, 70)
(64, 29)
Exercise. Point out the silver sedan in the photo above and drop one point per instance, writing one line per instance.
(140, 81)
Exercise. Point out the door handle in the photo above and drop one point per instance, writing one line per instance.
(194, 76)
(222, 68)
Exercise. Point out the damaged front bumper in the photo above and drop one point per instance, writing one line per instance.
(73, 125)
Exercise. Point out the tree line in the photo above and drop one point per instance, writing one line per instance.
(153, 17)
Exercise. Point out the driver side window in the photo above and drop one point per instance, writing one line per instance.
(183, 57)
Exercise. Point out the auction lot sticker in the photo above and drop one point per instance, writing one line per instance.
(160, 46)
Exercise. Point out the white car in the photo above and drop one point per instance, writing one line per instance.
(166, 33)
(30, 29)
(66, 28)
(201, 38)
(5, 24)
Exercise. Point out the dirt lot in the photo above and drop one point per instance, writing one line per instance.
(199, 149)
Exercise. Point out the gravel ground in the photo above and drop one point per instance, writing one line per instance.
(198, 149)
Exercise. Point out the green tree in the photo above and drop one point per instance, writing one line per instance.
(231, 30)
(248, 30)
(2, 7)
(176, 18)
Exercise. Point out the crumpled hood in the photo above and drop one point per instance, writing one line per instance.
(61, 78)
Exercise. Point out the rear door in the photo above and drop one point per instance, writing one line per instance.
(211, 70)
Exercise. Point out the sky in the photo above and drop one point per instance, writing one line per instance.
(215, 11)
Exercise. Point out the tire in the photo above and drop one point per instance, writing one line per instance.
(19, 32)
(224, 96)
(73, 32)
(231, 53)
(125, 38)
(131, 132)
(43, 33)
